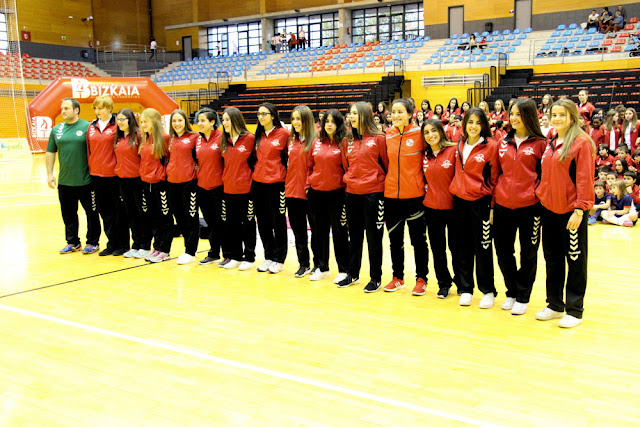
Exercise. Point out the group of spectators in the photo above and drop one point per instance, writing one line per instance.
(606, 22)
(280, 43)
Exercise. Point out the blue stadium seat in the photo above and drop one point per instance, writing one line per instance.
(573, 26)
(460, 59)
(579, 32)
(561, 27)
(630, 47)
(556, 34)
(517, 31)
(482, 58)
(552, 41)
(465, 35)
(438, 61)
(494, 45)
(505, 44)
(567, 33)
(511, 50)
(586, 38)
(592, 31)
(528, 30)
(444, 54)
(442, 49)
(428, 61)
(506, 32)
(495, 33)
(598, 37)
(511, 37)
(448, 61)
(489, 39)
(485, 34)
(500, 38)
(456, 53)
(455, 36)
(516, 43)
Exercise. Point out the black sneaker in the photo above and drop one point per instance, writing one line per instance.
(119, 252)
(372, 286)
(302, 271)
(224, 262)
(348, 281)
(105, 252)
(443, 293)
(208, 260)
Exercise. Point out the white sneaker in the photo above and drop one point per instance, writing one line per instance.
(569, 321)
(231, 264)
(246, 265)
(319, 275)
(340, 277)
(131, 253)
(265, 266)
(142, 253)
(487, 300)
(518, 308)
(276, 267)
(185, 259)
(465, 299)
(508, 303)
(548, 314)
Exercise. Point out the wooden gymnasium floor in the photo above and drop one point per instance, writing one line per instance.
(107, 341)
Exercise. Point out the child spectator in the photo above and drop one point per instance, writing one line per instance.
(604, 158)
(602, 174)
(630, 128)
(454, 131)
(621, 167)
(621, 204)
(633, 189)
(612, 176)
(597, 132)
(602, 203)
(545, 127)
(498, 130)
(611, 130)
(623, 153)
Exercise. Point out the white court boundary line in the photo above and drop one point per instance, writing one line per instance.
(264, 371)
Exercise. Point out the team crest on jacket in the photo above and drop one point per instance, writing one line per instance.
(108, 131)
(447, 164)
(78, 133)
(336, 151)
(214, 146)
(479, 158)
(409, 142)
(370, 143)
(242, 149)
(275, 142)
(528, 151)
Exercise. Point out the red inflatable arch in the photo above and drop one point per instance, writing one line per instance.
(46, 106)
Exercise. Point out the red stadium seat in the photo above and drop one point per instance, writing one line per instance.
(616, 49)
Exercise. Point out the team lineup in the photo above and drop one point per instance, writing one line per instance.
(346, 179)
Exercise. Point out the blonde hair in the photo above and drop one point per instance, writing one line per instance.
(574, 130)
(103, 101)
(308, 127)
(156, 135)
(632, 123)
(622, 188)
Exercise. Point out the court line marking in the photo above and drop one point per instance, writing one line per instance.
(252, 368)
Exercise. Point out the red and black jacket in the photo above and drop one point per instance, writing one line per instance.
(100, 149)
(438, 172)
(366, 162)
(209, 161)
(127, 157)
(502, 115)
(519, 171)
(608, 161)
(238, 161)
(295, 186)
(447, 113)
(183, 160)
(597, 135)
(153, 170)
(325, 166)
(271, 163)
(454, 133)
(478, 176)
(616, 137)
(567, 185)
(633, 136)
(586, 110)
(405, 149)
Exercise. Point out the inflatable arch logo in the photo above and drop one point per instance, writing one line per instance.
(46, 106)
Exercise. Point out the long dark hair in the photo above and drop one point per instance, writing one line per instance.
(407, 105)
(187, 124)
(276, 122)
(341, 129)
(484, 123)
(366, 125)
(529, 116)
(211, 115)
(451, 110)
(428, 105)
(444, 141)
(134, 130)
(237, 124)
(435, 109)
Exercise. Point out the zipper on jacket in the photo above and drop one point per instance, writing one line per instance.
(399, 149)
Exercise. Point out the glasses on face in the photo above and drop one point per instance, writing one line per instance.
(263, 114)
(122, 120)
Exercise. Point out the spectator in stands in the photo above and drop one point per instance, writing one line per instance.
(621, 204)
(482, 44)
(498, 130)
(499, 112)
(585, 108)
(464, 108)
(454, 131)
(623, 13)
(592, 20)
(621, 166)
(381, 110)
(379, 125)
(611, 131)
(426, 109)
(630, 129)
(473, 44)
(438, 111)
(268, 189)
(293, 42)
(623, 153)
(69, 140)
(604, 158)
(420, 118)
(484, 106)
(636, 159)
(603, 171)
(545, 105)
(602, 202)
(633, 189)
(388, 121)
(153, 46)
(544, 126)
(596, 131)
(452, 109)
(320, 117)
(302, 38)
(605, 19)
(564, 225)
(615, 24)
(274, 43)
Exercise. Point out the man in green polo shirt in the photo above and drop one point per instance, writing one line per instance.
(69, 140)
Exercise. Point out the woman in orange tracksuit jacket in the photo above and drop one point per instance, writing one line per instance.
(404, 192)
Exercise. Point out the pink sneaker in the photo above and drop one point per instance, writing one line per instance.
(161, 256)
(627, 224)
(151, 255)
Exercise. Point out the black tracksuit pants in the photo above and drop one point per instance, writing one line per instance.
(526, 221)
(271, 213)
(69, 197)
(328, 213)
(473, 233)
(210, 202)
(183, 199)
(239, 227)
(113, 212)
(561, 247)
(155, 204)
(365, 213)
(298, 210)
(397, 212)
(139, 222)
(440, 225)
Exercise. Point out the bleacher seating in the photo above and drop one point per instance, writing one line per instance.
(207, 67)
(42, 69)
(498, 42)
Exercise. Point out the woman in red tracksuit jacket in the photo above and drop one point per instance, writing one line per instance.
(210, 181)
(629, 130)
(127, 144)
(438, 167)
(473, 186)
(499, 113)
(300, 141)
(403, 193)
(611, 131)
(326, 196)
(452, 109)
(183, 183)
(517, 207)
(238, 217)
(268, 193)
(154, 155)
(566, 192)
(365, 160)
(102, 168)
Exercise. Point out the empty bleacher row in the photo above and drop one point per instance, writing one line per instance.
(573, 40)
(43, 69)
(208, 67)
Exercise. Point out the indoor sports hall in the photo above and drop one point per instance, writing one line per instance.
(114, 341)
